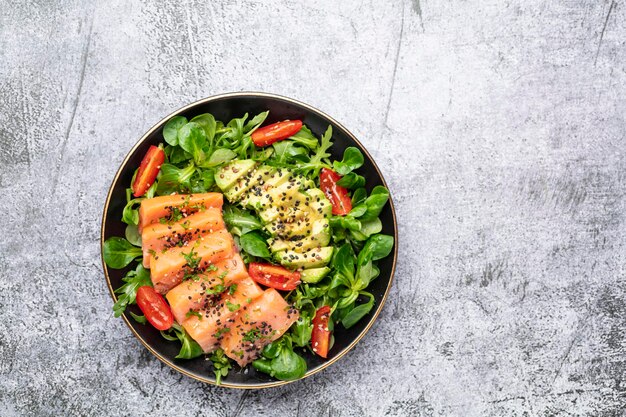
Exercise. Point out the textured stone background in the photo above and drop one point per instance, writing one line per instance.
(499, 126)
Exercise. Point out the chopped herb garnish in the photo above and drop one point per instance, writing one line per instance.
(194, 313)
(192, 258)
(218, 289)
(221, 331)
(232, 307)
(252, 336)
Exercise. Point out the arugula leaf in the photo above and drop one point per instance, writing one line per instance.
(132, 281)
(352, 159)
(255, 122)
(287, 152)
(320, 159)
(240, 222)
(254, 244)
(141, 319)
(232, 133)
(171, 128)
(190, 348)
(192, 139)
(119, 252)
(305, 137)
(167, 336)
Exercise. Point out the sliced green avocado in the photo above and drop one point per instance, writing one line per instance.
(314, 275)
(284, 202)
(313, 258)
(256, 196)
(298, 227)
(242, 185)
(249, 186)
(319, 202)
(315, 235)
(230, 173)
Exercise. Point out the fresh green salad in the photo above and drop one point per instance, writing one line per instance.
(304, 225)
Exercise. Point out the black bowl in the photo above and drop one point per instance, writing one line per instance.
(225, 107)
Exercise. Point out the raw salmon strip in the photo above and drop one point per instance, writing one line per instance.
(191, 295)
(216, 319)
(168, 268)
(158, 236)
(153, 209)
(263, 321)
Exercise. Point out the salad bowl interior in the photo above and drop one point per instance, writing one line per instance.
(225, 107)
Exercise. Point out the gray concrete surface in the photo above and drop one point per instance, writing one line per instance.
(499, 126)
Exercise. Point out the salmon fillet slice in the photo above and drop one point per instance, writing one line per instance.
(168, 268)
(153, 209)
(215, 321)
(191, 295)
(158, 236)
(264, 320)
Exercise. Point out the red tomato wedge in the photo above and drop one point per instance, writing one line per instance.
(148, 170)
(274, 276)
(320, 338)
(154, 307)
(336, 194)
(269, 134)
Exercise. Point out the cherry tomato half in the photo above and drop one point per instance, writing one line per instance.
(274, 276)
(148, 170)
(153, 306)
(320, 338)
(269, 134)
(336, 194)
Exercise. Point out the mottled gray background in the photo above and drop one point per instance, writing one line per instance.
(499, 126)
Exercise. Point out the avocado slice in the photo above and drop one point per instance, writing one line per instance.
(314, 275)
(255, 197)
(230, 173)
(285, 202)
(316, 235)
(244, 184)
(313, 258)
(298, 227)
(319, 202)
